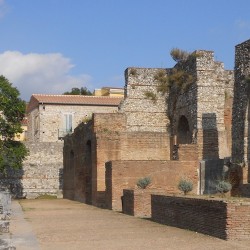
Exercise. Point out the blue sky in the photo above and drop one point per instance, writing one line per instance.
(50, 46)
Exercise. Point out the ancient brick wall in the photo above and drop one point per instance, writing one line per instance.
(165, 176)
(137, 202)
(41, 172)
(219, 218)
(109, 141)
(77, 154)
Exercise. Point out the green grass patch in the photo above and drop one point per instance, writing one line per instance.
(46, 197)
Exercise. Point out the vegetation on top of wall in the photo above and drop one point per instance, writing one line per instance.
(143, 182)
(177, 78)
(180, 79)
(179, 55)
(185, 185)
(163, 81)
(133, 72)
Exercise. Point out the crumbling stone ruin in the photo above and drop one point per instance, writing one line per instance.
(164, 135)
(5, 214)
(240, 120)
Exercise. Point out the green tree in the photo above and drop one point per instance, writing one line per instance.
(77, 91)
(12, 111)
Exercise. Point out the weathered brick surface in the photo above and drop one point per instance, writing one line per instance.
(165, 176)
(219, 218)
(109, 141)
(188, 152)
(137, 202)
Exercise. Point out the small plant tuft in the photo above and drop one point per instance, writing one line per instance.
(133, 72)
(179, 55)
(46, 197)
(150, 95)
(162, 80)
(143, 182)
(223, 187)
(185, 186)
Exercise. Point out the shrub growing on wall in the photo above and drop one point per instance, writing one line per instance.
(185, 186)
(223, 187)
(143, 182)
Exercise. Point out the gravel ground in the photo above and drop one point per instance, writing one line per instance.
(64, 224)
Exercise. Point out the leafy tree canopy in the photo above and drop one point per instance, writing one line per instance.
(12, 111)
(77, 91)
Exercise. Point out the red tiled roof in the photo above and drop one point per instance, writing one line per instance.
(37, 99)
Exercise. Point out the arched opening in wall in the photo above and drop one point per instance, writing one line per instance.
(184, 136)
(88, 176)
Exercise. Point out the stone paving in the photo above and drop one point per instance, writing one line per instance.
(64, 224)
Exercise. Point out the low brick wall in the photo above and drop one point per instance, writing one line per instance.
(165, 175)
(223, 219)
(137, 202)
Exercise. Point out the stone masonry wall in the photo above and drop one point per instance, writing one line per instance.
(143, 114)
(240, 129)
(165, 176)
(41, 172)
(215, 85)
(46, 122)
(227, 220)
(203, 104)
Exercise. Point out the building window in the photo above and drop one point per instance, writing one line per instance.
(36, 124)
(68, 123)
(66, 126)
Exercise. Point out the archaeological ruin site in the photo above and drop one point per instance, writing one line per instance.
(189, 122)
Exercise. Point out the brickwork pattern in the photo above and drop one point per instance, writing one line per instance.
(219, 218)
(165, 176)
(137, 202)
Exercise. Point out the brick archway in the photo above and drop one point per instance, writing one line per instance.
(184, 135)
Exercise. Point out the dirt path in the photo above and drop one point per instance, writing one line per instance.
(63, 224)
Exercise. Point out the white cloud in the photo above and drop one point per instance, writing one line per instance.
(40, 73)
